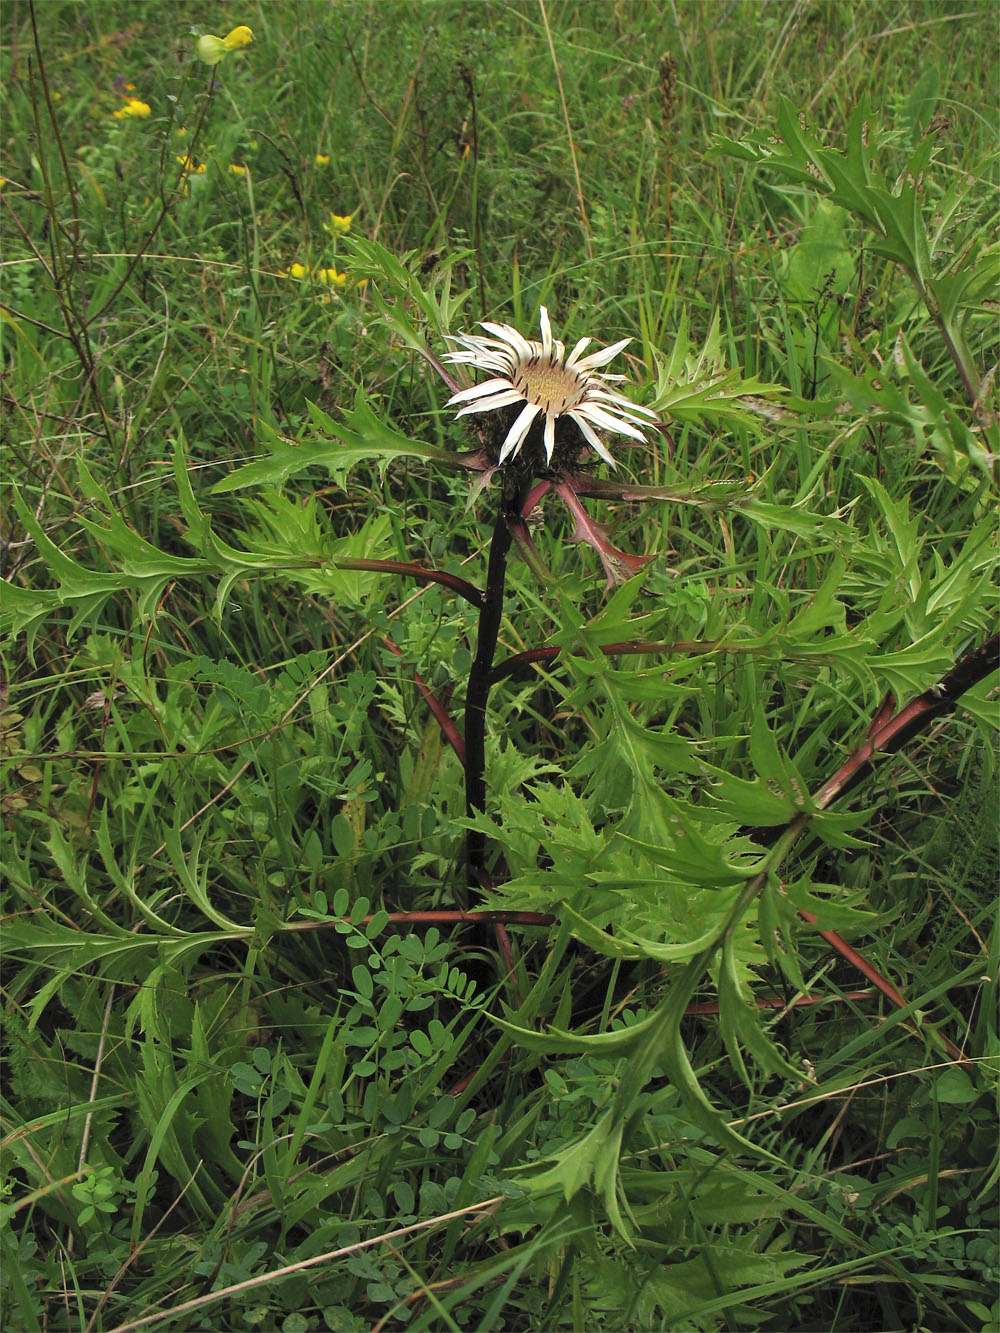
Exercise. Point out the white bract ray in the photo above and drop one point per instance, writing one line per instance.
(548, 383)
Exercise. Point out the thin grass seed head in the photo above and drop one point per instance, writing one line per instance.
(561, 398)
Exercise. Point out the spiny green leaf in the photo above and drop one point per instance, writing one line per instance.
(698, 385)
(740, 1022)
(361, 437)
(826, 903)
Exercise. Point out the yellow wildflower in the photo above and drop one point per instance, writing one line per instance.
(211, 49)
(322, 159)
(339, 223)
(241, 36)
(330, 277)
(297, 271)
(191, 164)
(237, 169)
(134, 106)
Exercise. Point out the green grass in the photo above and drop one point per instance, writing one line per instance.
(241, 1088)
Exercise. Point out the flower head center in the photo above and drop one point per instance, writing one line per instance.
(549, 386)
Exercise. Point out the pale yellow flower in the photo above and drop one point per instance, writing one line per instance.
(322, 159)
(237, 169)
(339, 223)
(211, 49)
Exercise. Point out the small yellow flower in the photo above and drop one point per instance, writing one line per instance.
(330, 277)
(322, 159)
(237, 169)
(241, 36)
(297, 271)
(340, 223)
(211, 49)
(180, 131)
(134, 106)
(191, 165)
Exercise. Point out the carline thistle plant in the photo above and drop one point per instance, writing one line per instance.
(538, 416)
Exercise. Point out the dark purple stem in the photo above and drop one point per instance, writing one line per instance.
(515, 491)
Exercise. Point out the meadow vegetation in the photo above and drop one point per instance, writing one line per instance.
(710, 1043)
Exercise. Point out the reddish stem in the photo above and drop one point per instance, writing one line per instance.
(448, 728)
(857, 960)
(450, 917)
(776, 1002)
(518, 664)
(462, 586)
(504, 945)
(890, 733)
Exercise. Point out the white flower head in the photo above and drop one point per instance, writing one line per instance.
(548, 384)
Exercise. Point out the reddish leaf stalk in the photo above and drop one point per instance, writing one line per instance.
(505, 947)
(840, 945)
(449, 917)
(529, 553)
(857, 960)
(450, 732)
(518, 665)
(890, 733)
(708, 1007)
(418, 572)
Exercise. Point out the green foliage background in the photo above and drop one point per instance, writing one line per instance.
(231, 1070)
